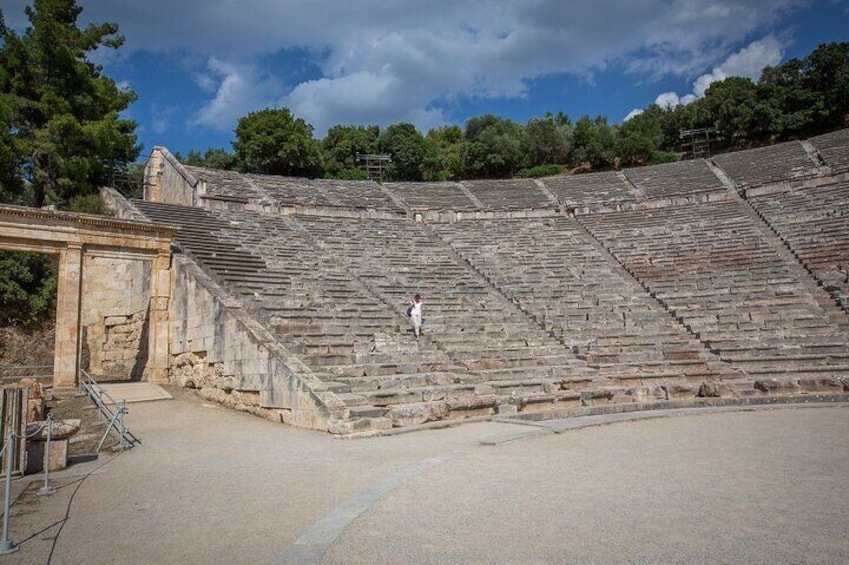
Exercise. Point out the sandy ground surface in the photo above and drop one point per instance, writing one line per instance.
(209, 485)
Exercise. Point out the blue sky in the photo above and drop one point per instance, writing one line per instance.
(199, 65)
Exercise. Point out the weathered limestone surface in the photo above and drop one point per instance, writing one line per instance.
(218, 348)
(166, 180)
(812, 222)
(775, 163)
(114, 316)
(78, 239)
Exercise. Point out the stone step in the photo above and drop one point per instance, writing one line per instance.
(358, 384)
(529, 361)
(577, 373)
(357, 412)
(422, 357)
(341, 371)
(785, 363)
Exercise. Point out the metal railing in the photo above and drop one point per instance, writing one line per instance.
(9, 443)
(110, 409)
(18, 372)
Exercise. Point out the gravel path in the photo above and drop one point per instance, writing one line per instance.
(209, 485)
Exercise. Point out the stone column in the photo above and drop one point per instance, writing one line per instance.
(158, 359)
(66, 356)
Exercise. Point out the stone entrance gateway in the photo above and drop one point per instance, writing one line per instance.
(100, 247)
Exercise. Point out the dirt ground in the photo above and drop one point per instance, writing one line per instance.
(77, 405)
(26, 347)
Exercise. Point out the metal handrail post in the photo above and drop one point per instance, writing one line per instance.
(47, 489)
(6, 545)
(122, 409)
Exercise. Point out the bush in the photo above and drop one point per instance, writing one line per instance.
(540, 171)
(89, 204)
(27, 288)
(348, 174)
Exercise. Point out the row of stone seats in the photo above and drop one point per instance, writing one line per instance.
(686, 178)
(432, 195)
(670, 180)
(366, 195)
(197, 235)
(510, 194)
(813, 222)
(323, 314)
(556, 273)
(275, 191)
(764, 165)
(606, 190)
(227, 184)
(834, 149)
(713, 268)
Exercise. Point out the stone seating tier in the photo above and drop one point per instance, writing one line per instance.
(514, 194)
(812, 222)
(833, 148)
(764, 165)
(675, 179)
(600, 302)
(607, 188)
(226, 184)
(357, 194)
(461, 311)
(432, 195)
(713, 269)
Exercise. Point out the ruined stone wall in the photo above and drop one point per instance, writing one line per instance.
(165, 180)
(217, 348)
(114, 315)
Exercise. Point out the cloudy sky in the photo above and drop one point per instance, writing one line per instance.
(199, 65)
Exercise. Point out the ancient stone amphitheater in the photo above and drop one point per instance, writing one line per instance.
(704, 282)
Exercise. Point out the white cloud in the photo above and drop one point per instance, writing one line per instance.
(239, 89)
(633, 113)
(384, 61)
(747, 62)
(668, 100)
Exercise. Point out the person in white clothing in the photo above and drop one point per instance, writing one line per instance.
(415, 311)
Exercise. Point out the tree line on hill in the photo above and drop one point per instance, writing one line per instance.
(798, 99)
(62, 135)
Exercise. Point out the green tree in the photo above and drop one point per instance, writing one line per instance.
(12, 188)
(59, 111)
(493, 147)
(273, 142)
(407, 147)
(546, 141)
(27, 287)
(641, 139)
(340, 147)
(593, 143)
(443, 154)
(213, 158)
(735, 107)
(788, 107)
(827, 74)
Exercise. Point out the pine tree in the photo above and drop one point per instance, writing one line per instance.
(62, 135)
